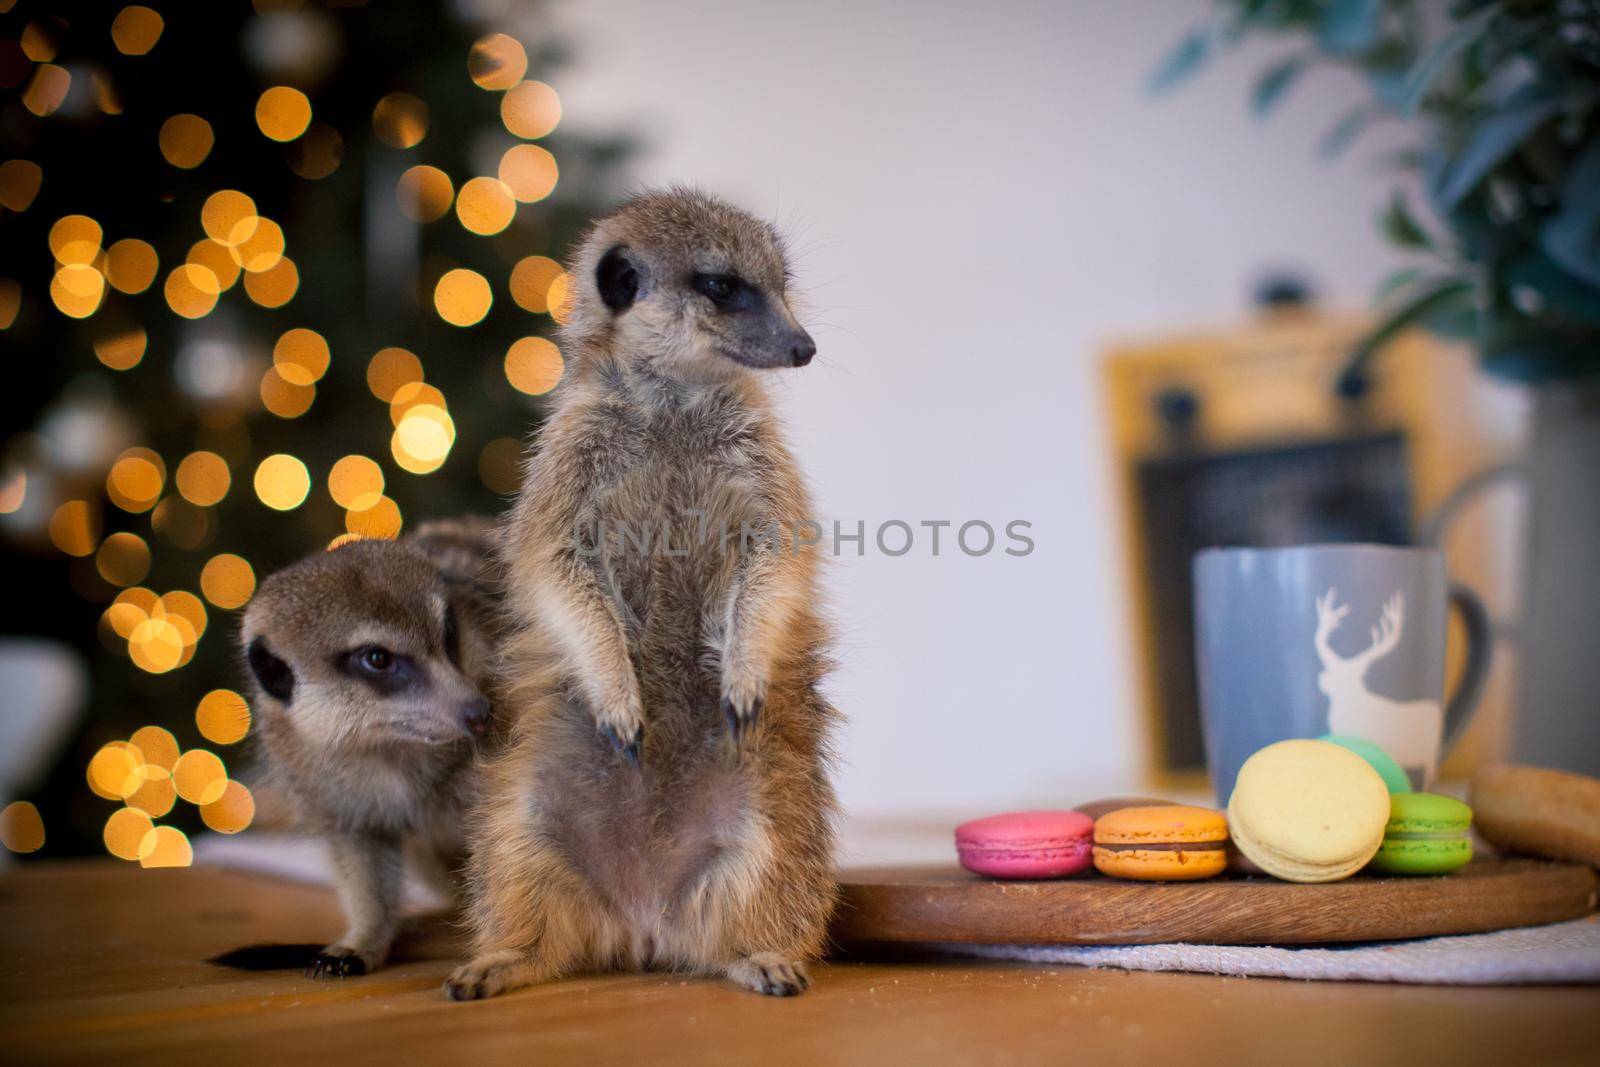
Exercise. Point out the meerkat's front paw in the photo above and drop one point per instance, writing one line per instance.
(341, 961)
(771, 974)
(742, 700)
(622, 724)
(490, 975)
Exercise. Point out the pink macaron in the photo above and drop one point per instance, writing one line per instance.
(1027, 844)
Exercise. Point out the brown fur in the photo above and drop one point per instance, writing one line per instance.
(714, 854)
(382, 778)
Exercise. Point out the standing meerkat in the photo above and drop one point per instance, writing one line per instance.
(371, 664)
(663, 800)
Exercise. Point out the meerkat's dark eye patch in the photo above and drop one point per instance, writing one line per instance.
(617, 279)
(452, 635)
(728, 291)
(387, 672)
(273, 675)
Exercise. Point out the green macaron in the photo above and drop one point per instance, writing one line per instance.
(1391, 772)
(1427, 834)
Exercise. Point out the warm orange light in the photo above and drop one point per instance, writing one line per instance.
(412, 394)
(125, 830)
(318, 153)
(422, 440)
(400, 120)
(216, 258)
(120, 348)
(390, 369)
(223, 717)
(222, 211)
(485, 206)
(13, 490)
(47, 89)
(192, 290)
(355, 483)
(123, 559)
(530, 109)
(424, 193)
(75, 528)
(283, 113)
(282, 482)
(284, 398)
(155, 795)
(200, 776)
(38, 40)
(114, 771)
(560, 298)
(72, 232)
(186, 140)
(10, 302)
(533, 365)
(529, 171)
(156, 645)
(530, 282)
(497, 61)
(186, 525)
(256, 243)
(232, 811)
(500, 465)
(19, 183)
(136, 30)
(165, 846)
(275, 286)
(131, 265)
(182, 604)
(76, 290)
(382, 521)
(228, 581)
(462, 297)
(301, 356)
(21, 827)
(203, 478)
(135, 480)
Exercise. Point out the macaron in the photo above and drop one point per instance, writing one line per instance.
(1308, 811)
(1027, 844)
(1427, 834)
(1161, 843)
(1106, 805)
(1393, 775)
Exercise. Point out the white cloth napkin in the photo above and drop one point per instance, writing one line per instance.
(1566, 952)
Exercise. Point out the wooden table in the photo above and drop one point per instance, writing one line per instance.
(101, 964)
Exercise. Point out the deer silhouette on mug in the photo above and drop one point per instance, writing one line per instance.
(1408, 730)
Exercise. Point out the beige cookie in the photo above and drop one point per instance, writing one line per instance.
(1537, 810)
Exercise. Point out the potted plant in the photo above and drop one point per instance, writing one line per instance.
(1504, 99)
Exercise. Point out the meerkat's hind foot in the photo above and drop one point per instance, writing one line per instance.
(338, 961)
(494, 973)
(770, 974)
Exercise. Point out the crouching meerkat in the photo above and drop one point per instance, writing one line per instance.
(371, 666)
(663, 800)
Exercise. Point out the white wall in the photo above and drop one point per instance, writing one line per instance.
(980, 196)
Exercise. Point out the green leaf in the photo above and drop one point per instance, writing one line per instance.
(1428, 68)
(1349, 126)
(1495, 138)
(1273, 83)
(1396, 281)
(1398, 225)
(1180, 64)
(1443, 295)
(1350, 26)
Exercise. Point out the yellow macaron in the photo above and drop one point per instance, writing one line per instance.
(1308, 811)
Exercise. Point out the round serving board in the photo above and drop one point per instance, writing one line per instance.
(947, 904)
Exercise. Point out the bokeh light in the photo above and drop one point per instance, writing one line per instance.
(529, 171)
(530, 282)
(19, 183)
(485, 206)
(283, 113)
(203, 478)
(125, 830)
(114, 771)
(559, 298)
(136, 30)
(422, 439)
(192, 290)
(123, 559)
(301, 356)
(216, 258)
(120, 348)
(13, 490)
(10, 302)
(165, 846)
(500, 465)
(222, 211)
(76, 290)
(39, 39)
(200, 776)
(382, 521)
(497, 61)
(390, 369)
(131, 265)
(284, 398)
(355, 483)
(223, 717)
(21, 827)
(135, 480)
(275, 286)
(410, 395)
(424, 193)
(186, 140)
(75, 527)
(318, 153)
(282, 482)
(184, 525)
(256, 243)
(155, 795)
(47, 89)
(156, 645)
(530, 109)
(462, 297)
(533, 365)
(233, 811)
(400, 120)
(75, 230)
(228, 581)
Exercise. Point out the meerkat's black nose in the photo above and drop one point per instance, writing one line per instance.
(475, 713)
(803, 350)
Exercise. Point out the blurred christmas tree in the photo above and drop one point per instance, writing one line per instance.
(272, 275)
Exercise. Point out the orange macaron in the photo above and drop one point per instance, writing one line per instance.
(1166, 843)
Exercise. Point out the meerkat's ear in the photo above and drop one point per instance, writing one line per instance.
(618, 279)
(275, 676)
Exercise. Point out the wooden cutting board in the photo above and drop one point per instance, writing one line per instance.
(947, 904)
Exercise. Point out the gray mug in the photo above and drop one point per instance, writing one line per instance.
(1340, 639)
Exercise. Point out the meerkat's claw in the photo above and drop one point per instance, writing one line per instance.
(740, 719)
(770, 974)
(630, 749)
(337, 962)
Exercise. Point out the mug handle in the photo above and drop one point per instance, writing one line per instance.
(1458, 712)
